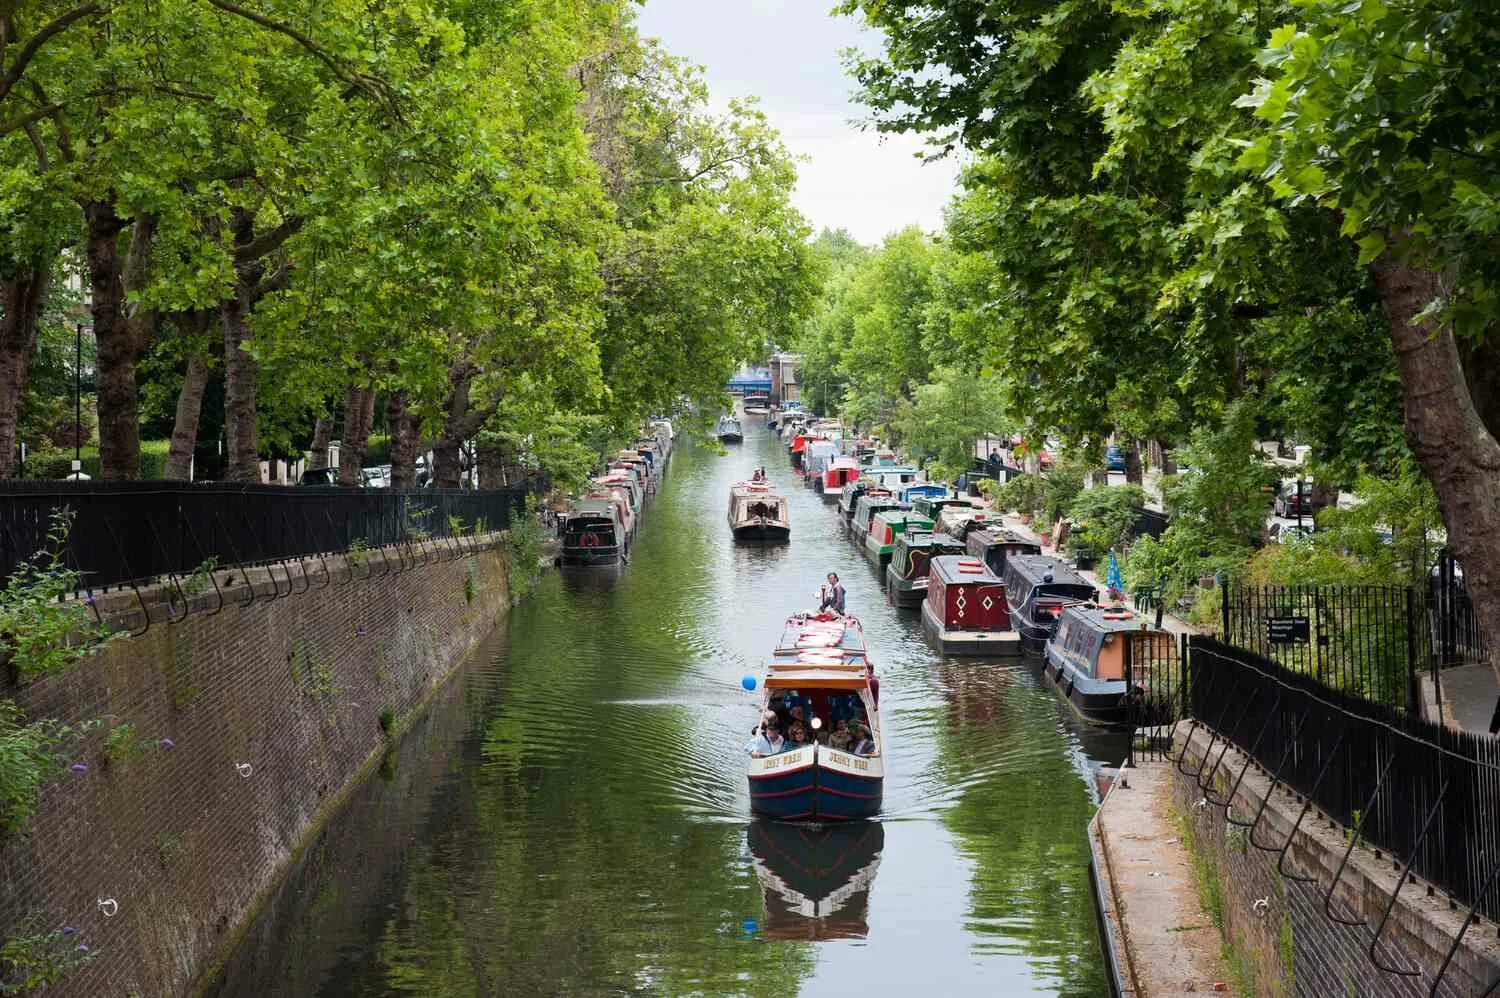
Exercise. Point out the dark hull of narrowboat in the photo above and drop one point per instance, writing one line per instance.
(731, 438)
(1034, 636)
(969, 644)
(1104, 703)
(909, 593)
(814, 793)
(762, 533)
(591, 556)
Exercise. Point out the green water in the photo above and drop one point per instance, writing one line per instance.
(571, 817)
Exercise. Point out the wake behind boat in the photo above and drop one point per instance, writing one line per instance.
(819, 688)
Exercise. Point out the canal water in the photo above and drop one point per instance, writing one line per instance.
(571, 816)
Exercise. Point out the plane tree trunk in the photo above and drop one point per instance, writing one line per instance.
(195, 376)
(403, 441)
(21, 298)
(359, 416)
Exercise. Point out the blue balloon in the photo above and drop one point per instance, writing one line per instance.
(748, 926)
(748, 682)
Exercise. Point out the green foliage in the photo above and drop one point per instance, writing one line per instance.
(30, 755)
(42, 629)
(35, 957)
(1061, 485)
(1104, 516)
(469, 587)
(1022, 494)
(523, 550)
(122, 744)
(59, 463)
(946, 418)
(387, 721)
(201, 577)
(1393, 529)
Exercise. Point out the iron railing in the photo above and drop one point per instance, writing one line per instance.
(1426, 795)
(129, 532)
(1364, 640)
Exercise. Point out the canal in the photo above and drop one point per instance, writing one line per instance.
(571, 815)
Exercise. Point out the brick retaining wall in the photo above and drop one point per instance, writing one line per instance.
(1291, 947)
(292, 688)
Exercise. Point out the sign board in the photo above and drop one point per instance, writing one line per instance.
(1287, 630)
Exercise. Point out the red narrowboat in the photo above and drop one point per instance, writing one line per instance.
(966, 612)
(841, 472)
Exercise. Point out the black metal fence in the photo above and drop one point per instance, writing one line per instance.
(1364, 640)
(125, 532)
(1426, 795)
(1452, 627)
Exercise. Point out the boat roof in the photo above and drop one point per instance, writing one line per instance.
(904, 515)
(1035, 567)
(822, 679)
(821, 631)
(930, 538)
(1002, 535)
(600, 506)
(802, 659)
(1111, 618)
(961, 568)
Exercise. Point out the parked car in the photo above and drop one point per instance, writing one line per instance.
(378, 477)
(1294, 499)
(1114, 458)
(320, 476)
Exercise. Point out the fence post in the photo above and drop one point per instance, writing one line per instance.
(1413, 687)
(1184, 646)
(1224, 594)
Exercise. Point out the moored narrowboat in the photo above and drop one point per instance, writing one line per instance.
(817, 456)
(840, 472)
(922, 490)
(873, 502)
(965, 612)
(849, 497)
(757, 404)
(757, 513)
(932, 506)
(1039, 588)
(1100, 658)
(906, 575)
(729, 431)
(798, 447)
(995, 545)
(888, 525)
(592, 533)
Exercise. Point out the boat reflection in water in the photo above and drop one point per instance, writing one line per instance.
(816, 878)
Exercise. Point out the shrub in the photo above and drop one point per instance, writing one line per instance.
(387, 720)
(524, 550)
(1061, 486)
(1103, 517)
(41, 631)
(1022, 494)
(35, 957)
(29, 757)
(59, 463)
(378, 450)
(121, 744)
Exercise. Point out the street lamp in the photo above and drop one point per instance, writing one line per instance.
(77, 399)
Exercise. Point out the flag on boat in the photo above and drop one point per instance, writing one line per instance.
(1112, 577)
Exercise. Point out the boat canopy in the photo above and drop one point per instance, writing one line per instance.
(816, 679)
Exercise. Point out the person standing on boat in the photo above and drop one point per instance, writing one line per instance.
(874, 682)
(770, 741)
(831, 596)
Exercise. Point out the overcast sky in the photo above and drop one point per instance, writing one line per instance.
(786, 52)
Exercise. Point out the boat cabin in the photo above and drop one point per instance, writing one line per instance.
(958, 521)
(906, 576)
(995, 545)
(1100, 655)
(878, 459)
(840, 472)
(888, 525)
(798, 447)
(893, 478)
(964, 595)
(805, 631)
(592, 532)
(756, 512)
(1038, 588)
(850, 494)
(865, 509)
(819, 454)
(931, 506)
(922, 490)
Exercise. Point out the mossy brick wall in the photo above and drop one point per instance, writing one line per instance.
(1291, 946)
(291, 688)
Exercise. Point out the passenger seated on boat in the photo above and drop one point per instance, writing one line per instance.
(798, 736)
(759, 475)
(770, 742)
(841, 739)
(863, 745)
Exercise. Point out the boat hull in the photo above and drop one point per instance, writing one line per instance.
(905, 592)
(1104, 702)
(731, 438)
(816, 783)
(763, 533)
(973, 644)
(591, 557)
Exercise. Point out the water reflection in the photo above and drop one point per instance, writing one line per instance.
(816, 878)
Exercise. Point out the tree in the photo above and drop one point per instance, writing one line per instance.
(947, 417)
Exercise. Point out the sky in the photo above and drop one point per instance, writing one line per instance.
(786, 52)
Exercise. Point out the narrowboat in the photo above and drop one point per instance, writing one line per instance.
(816, 459)
(995, 545)
(906, 575)
(866, 507)
(728, 431)
(873, 459)
(965, 612)
(592, 533)
(757, 404)
(819, 677)
(798, 447)
(840, 472)
(1100, 659)
(757, 513)
(1038, 588)
(816, 879)
(933, 506)
(958, 521)
(922, 490)
(849, 497)
(888, 525)
(618, 488)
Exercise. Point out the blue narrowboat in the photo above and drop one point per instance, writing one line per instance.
(1039, 588)
(1100, 660)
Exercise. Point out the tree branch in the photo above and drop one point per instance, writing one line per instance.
(266, 241)
(29, 50)
(22, 120)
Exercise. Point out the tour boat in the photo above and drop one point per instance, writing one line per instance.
(1038, 588)
(965, 612)
(816, 879)
(840, 472)
(906, 575)
(728, 431)
(820, 666)
(593, 533)
(757, 404)
(865, 509)
(757, 513)
(1100, 659)
(996, 545)
(888, 525)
